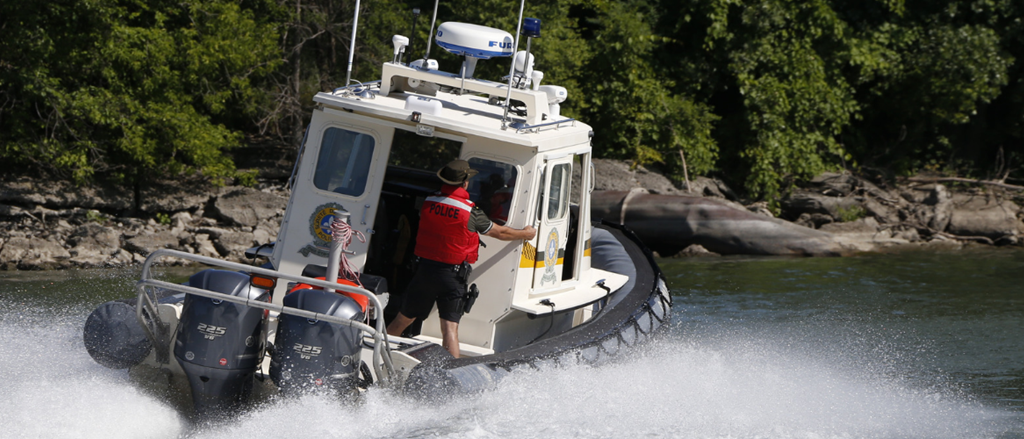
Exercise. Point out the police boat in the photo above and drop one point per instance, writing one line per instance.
(312, 317)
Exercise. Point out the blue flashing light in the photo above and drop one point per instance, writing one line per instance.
(531, 27)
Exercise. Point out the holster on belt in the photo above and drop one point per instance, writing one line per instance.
(472, 292)
(464, 270)
(470, 298)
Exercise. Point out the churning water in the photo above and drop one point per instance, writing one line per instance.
(883, 346)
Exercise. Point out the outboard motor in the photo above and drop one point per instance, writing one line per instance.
(114, 337)
(311, 354)
(218, 343)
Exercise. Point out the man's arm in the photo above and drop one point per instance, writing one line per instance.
(509, 234)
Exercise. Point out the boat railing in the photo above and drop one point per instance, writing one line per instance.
(522, 127)
(159, 332)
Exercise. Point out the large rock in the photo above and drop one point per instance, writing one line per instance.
(708, 187)
(93, 245)
(204, 246)
(147, 243)
(834, 184)
(62, 195)
(247, 206)
(7, 211)
(834, 197)
(234, 244)
(984, 215)
(618, 175)
(884, 210)
(804, 201)
(174, 196)
(31, 253)
(931, 206)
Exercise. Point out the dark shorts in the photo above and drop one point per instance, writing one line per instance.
(434, 283)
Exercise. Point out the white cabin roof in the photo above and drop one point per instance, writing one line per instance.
(465, 114)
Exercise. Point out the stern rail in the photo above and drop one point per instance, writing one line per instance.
(159, 332)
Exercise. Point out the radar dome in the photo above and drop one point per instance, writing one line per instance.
(473, 40)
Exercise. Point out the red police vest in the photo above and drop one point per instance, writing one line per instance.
(444, 234)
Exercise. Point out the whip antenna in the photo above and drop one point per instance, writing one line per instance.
(352, 46)
(430, 36)
(412, 35)
(512, 68)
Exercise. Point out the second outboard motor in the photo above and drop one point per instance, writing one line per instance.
(218, 343)
(114, 337)
(311, 354)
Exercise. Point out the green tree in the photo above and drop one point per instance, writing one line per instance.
(640, 110)
(763, 93)
(926, 78)
(803, 87)
(129, 89)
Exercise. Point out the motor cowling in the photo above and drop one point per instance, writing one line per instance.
(311, 354)
(219, 344)
(114, 337)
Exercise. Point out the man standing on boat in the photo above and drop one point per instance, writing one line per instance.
(446, 243)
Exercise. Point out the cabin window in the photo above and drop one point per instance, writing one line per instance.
(344, 162)
(558, 191)
(411, 150)
(493, 187)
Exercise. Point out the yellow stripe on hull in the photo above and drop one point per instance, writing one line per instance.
(528, 259)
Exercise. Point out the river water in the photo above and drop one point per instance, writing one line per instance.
(913, 345)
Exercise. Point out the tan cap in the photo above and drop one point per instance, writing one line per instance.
(456, 172)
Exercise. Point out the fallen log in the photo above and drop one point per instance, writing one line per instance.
(965, 180)
(670, 223)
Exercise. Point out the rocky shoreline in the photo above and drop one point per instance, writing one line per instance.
(857, 214)
(56, 225)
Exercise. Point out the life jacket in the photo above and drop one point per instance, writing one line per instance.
(362, 300)
(444, 234)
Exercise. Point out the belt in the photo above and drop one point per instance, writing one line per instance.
(438, 264)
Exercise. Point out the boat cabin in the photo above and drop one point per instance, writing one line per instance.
(371, 152)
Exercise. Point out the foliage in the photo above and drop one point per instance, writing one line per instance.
(761, 93)
(163, 218)
(128, 88)
(247, 178)
(95, 216)
(795, 100)
(853, 213)
(632, 100)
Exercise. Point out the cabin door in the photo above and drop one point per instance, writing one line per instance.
(552, 223)
(341, 169)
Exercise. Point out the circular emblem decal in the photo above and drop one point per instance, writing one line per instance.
(249, 341)
(551, 250)
(320, 229)
(190, 356)
(320, 223)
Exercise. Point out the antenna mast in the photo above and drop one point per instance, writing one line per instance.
(430, 36)
(352, 46)
(412, 35)
(512, 68)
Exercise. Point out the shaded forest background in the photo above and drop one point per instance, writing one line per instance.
(760, 93)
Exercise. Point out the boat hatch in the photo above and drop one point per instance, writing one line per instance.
(341, 171)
